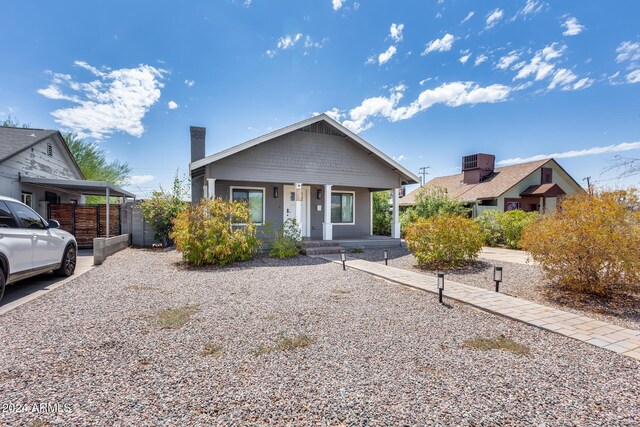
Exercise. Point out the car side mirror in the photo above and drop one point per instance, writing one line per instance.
(54, 224)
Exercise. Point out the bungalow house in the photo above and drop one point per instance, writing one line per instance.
(316, 171)
(531, 186)
(37, 168)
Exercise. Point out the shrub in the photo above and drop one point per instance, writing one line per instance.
(590, 244)
(286, 241)
(381, 213)
(490, 227)
(435, 201)
(444, 241)
(207, 233)
(161, 209)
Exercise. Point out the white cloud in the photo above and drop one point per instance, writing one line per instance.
(399, 158)
(270, 53)
(531, 8)
(465, 58)
(562, 77)
(287, 42)
(395, 32)
(628, 51)
(634, 76)
(540, 65)
(189, 82)
(583, 83)
(506, 61)
(114, 101)
(452, 94)
(140, 179)
(573, 27)
(336, 4)
(440, 45)
(385, 56)
(493, 18)
(480, 59)
(310, 43)
(172, 105)
(469, 16)
(625, 146)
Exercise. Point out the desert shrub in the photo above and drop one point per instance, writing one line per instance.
(381, 213)
(444, 240)
(163, 206)
(436, 201)
(286, 241)
(590, 244)
(207, 233)
(512, 223)
(490, 227)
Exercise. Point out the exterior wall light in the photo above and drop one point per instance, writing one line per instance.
(386, 257)
(343, 258)
(319, 194)
(275, 192)
(440, 286)
(497, 277)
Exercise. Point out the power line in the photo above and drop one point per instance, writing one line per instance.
(424, 173)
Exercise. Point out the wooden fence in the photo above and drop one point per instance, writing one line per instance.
(86, 222)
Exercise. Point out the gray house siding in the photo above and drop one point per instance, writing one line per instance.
(306, 157)
(274, 209)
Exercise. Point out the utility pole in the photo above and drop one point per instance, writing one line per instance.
(588, 179)
(424, 173)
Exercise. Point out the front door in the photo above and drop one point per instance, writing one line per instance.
(289, 207)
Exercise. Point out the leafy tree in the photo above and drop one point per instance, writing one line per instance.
(381, 213)
(162, 208)
(591, 244)
(93, 163)
(12, 122)
(436, 201)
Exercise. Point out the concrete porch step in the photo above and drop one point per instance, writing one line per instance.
(318, 243)
(322, 250)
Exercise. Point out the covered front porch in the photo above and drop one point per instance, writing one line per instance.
(323, 212)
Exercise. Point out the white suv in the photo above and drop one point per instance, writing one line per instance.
(29, 245)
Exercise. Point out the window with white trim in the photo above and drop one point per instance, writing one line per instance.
(254, 197)
(342, 207)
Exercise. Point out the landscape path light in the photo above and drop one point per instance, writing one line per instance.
(440, 286)
(497, 277)
(343, 258)
(386, 257)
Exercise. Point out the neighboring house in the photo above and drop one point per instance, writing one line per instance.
(532, 186)
(37, 168)
(315, 171)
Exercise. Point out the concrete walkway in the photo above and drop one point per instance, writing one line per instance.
(507, 255)
(19, 293)
(582, 328)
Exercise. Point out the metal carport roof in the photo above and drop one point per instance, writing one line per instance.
(91, 188)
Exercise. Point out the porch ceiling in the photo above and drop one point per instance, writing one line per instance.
(89, 188)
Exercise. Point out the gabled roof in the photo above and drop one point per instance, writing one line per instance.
(16, 140)
(491, 187)
(409, 176)
(547, 190)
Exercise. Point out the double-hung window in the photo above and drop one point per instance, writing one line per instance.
(254, 197)
(342, 207)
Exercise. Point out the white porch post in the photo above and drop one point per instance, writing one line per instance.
(107, 194)
(327, 227)
(395, 222)
(299, 205)
(211, 187)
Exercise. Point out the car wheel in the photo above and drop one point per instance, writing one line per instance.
(68, 265)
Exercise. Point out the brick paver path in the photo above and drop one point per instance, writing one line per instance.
(601, 334)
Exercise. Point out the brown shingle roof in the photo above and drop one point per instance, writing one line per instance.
(493, 186)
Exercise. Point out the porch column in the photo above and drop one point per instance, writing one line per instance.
(107, 194)
(395, 221)
(211, 186)
(327, 227)
(299, 205)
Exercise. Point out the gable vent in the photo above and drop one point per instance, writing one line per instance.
(49, 150)
(321, 127)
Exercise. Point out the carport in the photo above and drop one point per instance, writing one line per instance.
(83, 221)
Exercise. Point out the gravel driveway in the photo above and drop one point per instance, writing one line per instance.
(289, 342)
(525, 281)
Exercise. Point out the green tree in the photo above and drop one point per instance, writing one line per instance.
(162, 208)
(435, 201)
(93, 162)
(381, 213)
(12, 122)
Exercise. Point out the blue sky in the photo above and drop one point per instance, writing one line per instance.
(426, 82)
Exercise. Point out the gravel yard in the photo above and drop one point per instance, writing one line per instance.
(524, 281)
(290, 342)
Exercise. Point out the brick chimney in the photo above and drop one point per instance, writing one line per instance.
(476, 167)
(197, 142)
